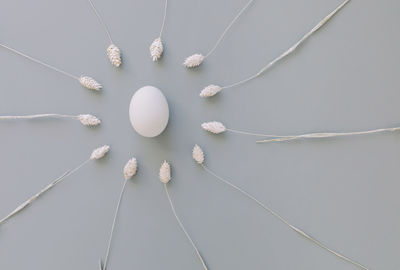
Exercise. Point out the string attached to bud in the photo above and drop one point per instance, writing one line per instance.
(85, 119)
(130, 170)
(165, 177)
(156, 47)
(195, 60)
(217, 128)
(113, 52)
(212, 90)
(85, 81)
(198, 156)
(96, 154)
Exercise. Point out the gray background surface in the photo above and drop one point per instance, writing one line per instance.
(342, 191)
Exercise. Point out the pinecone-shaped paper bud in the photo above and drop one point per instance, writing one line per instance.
(165, 172)
(89, 120)
(100, 152)
(90, 83)
(214, 127)
(198, 154)
(130, 168)
(193, 61)
(114, 54)
(210, 90)
(156, 49)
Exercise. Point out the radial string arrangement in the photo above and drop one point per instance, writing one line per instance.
(145, 99)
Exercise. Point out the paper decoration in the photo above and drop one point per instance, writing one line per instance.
(212, 90)
(130, 170)
(96, 154)
(195, 60)
(198, 156)
(85, 81)
(165, 177)
(113, 52)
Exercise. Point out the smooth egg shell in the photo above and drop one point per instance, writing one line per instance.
(148, 111)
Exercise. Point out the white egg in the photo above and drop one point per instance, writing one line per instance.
(148, 111)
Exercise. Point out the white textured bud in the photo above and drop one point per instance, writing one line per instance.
(193, 61)
(114, 54)
(130, 168)
(214, 127)
(100, 152)
(165, 172)
(89, 120)
(156, 49)
(210, 90)
(90, 83)
(198, 154)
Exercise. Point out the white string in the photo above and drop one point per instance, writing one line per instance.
(318, 243)
(184, 230)
(101, 21)
(40, 62)
(291, 49)
(165, 16)
(227, 29)
(255, 134)
(33, 116)
(326, 135)
(37, 195)
(113, 226)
